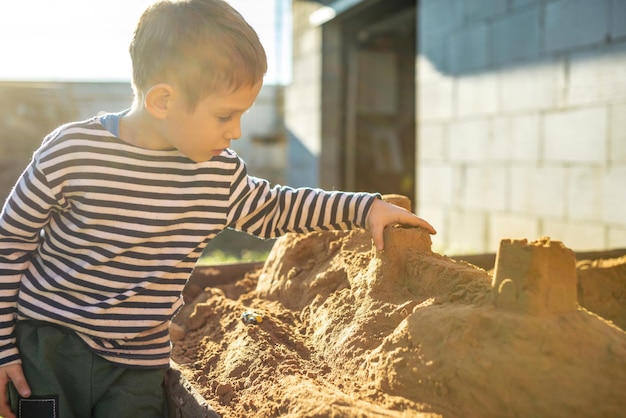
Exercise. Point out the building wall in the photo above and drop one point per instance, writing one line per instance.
(263, 142)
(31, 110)
(522, 122)
(521, 119)
(302, 113)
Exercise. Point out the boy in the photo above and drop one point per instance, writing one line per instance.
(103, 228)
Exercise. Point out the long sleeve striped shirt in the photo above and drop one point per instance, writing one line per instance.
(100, 236)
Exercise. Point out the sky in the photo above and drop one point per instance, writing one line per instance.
(87, 40)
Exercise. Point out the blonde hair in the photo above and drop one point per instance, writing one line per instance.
(201, 46)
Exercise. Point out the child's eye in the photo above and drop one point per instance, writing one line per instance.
(224, 119)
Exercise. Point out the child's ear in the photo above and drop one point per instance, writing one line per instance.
(157, 100)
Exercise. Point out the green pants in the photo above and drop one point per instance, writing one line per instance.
(57, 362)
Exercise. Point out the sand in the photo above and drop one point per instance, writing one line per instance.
(350, 332)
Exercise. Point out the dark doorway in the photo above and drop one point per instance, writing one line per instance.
(378, 44)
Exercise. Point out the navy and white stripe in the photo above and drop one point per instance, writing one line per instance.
(100, 236)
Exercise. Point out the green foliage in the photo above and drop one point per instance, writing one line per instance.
(221, 257)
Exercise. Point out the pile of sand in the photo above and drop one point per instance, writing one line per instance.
(349, 332)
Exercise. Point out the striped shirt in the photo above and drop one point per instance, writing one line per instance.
(100, 236)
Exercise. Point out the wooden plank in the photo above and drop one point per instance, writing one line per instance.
(183, 399)
(488, 261)
(207, 276)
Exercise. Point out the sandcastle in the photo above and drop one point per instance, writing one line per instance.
(535, 278)
(350, 331)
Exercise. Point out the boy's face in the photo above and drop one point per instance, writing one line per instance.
(208, 130)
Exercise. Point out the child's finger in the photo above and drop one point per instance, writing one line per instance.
(377, 236)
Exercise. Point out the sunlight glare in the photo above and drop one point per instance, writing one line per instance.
(87, 40)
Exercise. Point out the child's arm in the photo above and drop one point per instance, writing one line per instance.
(19, 236)
(259, 209)
(11, 373)
(266, 211)
(384, 213)
(20, 226)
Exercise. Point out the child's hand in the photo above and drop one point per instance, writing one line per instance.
(11, 373)
(383, 214)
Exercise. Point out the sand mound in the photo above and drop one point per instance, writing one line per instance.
(348, 332)
(602, 288)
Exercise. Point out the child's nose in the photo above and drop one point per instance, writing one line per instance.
(234, 131)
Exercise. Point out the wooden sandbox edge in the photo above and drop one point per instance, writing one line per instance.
(205, 276)
(183, 399)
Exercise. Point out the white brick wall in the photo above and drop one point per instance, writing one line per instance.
(576, 136)
(614, 192)
(617, 144)
(478, 10)
(521, 119)
(476, 95)
(530, 104)
(439, 219)
(302, 98)
(468, 49)
(431, 139)
(517, 138)
(585, 198)
(463, 230)
(597, 75)
(617, 238)
(483, 187)
(520, 29)
(436, 99)
(468, 140)
(510, 226)
(531, 86)
(538, 191)
(575, 23)
(618, 17)
(577, 236)
(436, 184)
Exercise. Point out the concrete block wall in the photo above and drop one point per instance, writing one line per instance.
(522, 122)
(263, 142)
(31, 110)
(303, 110)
